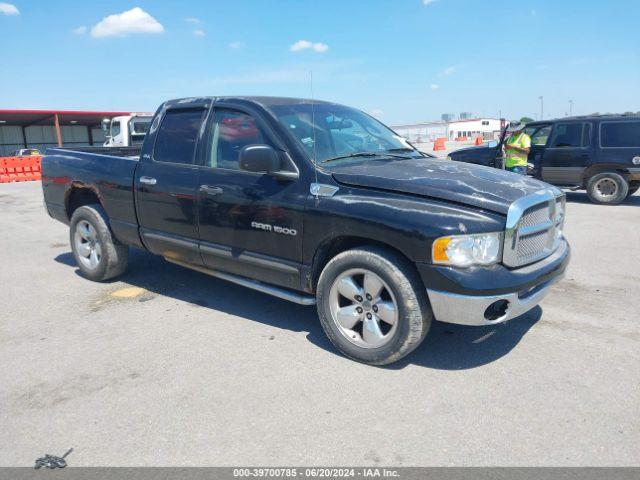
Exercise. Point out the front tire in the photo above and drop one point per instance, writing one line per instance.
(607, 188)
(372, 305)
(98, 254)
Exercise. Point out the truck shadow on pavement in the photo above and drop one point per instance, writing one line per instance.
(581, 197)
(447, 347)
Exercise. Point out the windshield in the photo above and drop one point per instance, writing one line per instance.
(340, 132)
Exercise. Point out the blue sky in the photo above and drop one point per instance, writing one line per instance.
(403, 60)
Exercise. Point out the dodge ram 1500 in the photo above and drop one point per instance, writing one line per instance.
(316, 203)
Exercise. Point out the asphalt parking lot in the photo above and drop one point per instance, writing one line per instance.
(170, 367)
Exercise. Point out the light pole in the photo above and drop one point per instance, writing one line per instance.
(541, 98)
(571, 108)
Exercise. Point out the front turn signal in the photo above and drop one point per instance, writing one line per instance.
(440, 250)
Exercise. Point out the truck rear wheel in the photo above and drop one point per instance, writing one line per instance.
(372, 305)
(98, 254)
(607, 188)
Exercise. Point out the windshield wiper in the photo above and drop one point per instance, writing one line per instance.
(401, 149)
(405, 149)
(365, 154)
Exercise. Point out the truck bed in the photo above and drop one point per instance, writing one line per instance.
(108, 177)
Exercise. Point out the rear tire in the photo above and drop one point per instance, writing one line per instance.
(372, 305)
(607, 188)
(99, 255)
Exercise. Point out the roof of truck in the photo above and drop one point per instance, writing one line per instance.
(265, 101)
(273, 101)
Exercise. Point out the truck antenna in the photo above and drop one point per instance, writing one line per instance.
(313, 130)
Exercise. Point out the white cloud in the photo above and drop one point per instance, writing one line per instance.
(236, 45)
(320, 47)
(301, 45)
(307, 45)
(428, 2)
(196, 22)
(449, 71)
(8, 9)
(134, 21)
(434, 86)
(80, 30)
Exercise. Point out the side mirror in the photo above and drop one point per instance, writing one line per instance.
(105, 124)
(259, 158)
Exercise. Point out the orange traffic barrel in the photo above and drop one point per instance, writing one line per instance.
(439, 144)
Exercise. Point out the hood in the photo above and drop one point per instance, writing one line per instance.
(474, 185)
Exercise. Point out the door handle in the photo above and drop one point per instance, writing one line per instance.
(148, 180)
(210, 190)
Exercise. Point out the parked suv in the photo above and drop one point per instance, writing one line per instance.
(598, 153)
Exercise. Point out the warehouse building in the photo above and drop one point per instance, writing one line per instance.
(423, 132)
(42, 129)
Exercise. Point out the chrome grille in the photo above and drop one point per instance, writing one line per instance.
(534, 227)
(531, 246)
(535, 215)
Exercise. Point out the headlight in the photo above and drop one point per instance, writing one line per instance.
(467, 250)
(560, 212)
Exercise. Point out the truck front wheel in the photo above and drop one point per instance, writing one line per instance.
(98, 254)
(607, 188)
(372, 305)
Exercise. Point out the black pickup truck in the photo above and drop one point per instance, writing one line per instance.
(599, 153)
(316, 203)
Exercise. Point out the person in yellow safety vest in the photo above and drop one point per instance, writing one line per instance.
(516, 149)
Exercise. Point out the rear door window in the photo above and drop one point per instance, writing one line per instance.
(178, 136)
(570, 135)
(620, 134)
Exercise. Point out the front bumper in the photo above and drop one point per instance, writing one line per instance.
(475, 310)
(486, 296)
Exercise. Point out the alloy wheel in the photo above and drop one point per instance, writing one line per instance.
(363, 308)
(87, 244)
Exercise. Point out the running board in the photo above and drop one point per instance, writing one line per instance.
(253, 284)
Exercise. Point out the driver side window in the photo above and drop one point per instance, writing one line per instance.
(231, 132)
(541, 136)
(115, 129)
